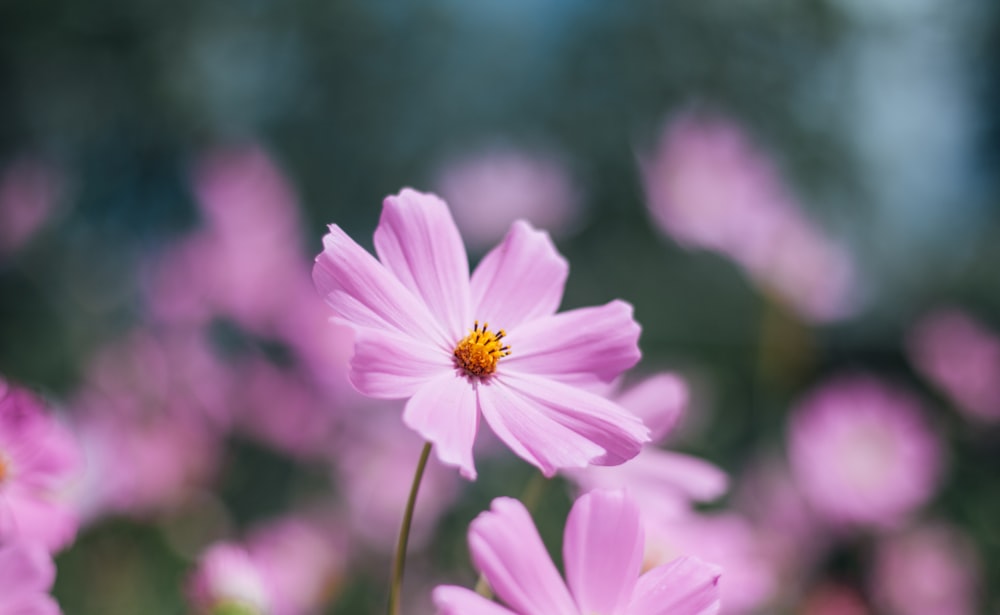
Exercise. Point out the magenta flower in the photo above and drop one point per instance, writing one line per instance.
(26, 576)
(37, 459)
(602, 549)
(491, 345)
(862, 452)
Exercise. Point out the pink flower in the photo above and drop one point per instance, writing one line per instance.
(491, 189)
(862, 453)
(602, 550)
(26, 576)
(490, 345)
(962, 357)
(926, 570)
(228, 580)
(725, 539)
(37, 460)
(662, 482)
(302, 560)
(375, 469)
(709, 187)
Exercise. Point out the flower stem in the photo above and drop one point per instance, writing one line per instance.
(399, 562)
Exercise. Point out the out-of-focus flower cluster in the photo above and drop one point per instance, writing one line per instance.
(233, 346)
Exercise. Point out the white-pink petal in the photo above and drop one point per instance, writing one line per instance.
(454, 600)
(388, 365)
(602, 550)
(443, 411)
(417, 241)
(520, 280)
(601, 341)
(363, 293)
(507, 549)
(529, 430)
(685, 586)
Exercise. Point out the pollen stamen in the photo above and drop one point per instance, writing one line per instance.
(480, 351)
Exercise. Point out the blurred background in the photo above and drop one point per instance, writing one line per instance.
(800, 198)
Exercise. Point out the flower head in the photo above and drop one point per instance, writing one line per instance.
(490, 345)
(602, 548)
(37, 459)
(229, 582)
(862, 452)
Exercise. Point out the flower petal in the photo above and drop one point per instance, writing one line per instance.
(444, 412)
(453, 600)
(388, 365)
(663, 482)
(602, 551)
(25, 568)
(519, 280)
(553, 425)
(507, 549)
(601, 341)
(659, 401)
(685, 586)
(363, 293)
(30, 516)
(417, 241)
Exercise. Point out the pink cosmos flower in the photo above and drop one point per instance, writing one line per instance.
(709, 187)
(228, 580)
(490, 189)
(375, 468)
(962, 357)
(662, 482)
(26, 576)
(602, 550)
(37, 460)
(926, 570)
(491, 345)
(862, 452)
(302, 561)
(725, 539)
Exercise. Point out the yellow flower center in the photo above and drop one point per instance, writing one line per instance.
(480, 351)
(4, 469)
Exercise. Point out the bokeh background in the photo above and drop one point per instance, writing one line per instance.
(167, 171)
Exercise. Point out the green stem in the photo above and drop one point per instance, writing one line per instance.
(399, 563)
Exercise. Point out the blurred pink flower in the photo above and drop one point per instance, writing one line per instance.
(302, 560)
(38, 459)
(26, 577)
(28, 193)
(228, 580)
(709, 187)
(602, 551)
(961, 356)
(374, 465)
(749, 578)
(926, 570)
(493, 344)
(491, 189)
(169, 458)
(246, 262)
(862, 452)
(662, 482)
